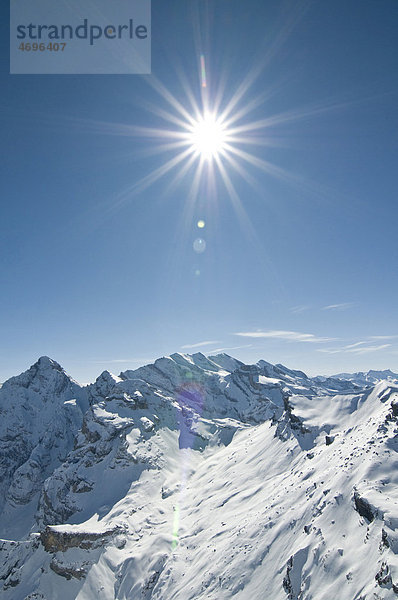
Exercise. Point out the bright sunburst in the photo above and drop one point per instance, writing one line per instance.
(208, 137)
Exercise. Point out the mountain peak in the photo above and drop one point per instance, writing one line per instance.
(45, 373)
(225, 361)
(45, 362)
(370, 377)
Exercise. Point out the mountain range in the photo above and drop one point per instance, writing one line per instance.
(198, 478)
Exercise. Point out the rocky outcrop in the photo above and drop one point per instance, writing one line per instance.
(56, 540)
(364, 508)
(67, 572)
(41, 411)
(292, 581)
(13, 555)
(384, 578)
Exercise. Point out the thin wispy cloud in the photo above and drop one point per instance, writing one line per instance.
(383, 337)
(354, 345)
(355, 349)
(200, 344)
(218, 350)
(299, 309)
(292, 336)
(340, 306)
(112, 361)
(367, 349)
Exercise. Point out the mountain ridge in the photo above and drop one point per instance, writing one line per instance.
(198, 477)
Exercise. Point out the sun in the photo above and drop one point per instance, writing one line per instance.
(207, 136)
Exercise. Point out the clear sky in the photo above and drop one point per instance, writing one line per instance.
(100, 272)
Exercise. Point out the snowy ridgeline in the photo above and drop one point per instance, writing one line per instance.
(199, 478)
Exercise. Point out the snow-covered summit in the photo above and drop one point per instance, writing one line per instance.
(42, 410)
(198, 477)
(369, 377)
(44, 368)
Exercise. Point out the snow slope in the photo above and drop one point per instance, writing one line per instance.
(198, 478)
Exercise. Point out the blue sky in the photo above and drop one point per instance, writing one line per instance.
(99, 274)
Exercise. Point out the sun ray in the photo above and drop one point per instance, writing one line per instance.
(267, 142)
(212, 135)
(166, 115)
(315, 189)
(194, 190)
(236, 201)
(245, 110)
(257, 101)
(148, 180)
(170, 99)
(180, 174)
(188, 92)
(289, 116)
(189, 206)
(163, 147)
(241, 91)
(244, 173)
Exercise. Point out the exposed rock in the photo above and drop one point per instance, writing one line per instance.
(54, 540)
(13, 556)
(364, 508)
(82, 486)
(383, 576)
(42, 411)
(91, 436)
(147, 424)
(292, 582)
(384, 540)
(67, 572)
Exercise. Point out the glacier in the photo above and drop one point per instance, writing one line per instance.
(199, 477)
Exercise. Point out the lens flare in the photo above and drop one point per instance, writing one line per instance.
(191, 400)
(203, 70)
(199, 245)
(176, 524)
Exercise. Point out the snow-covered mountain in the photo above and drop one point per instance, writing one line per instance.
(370, 377)
(198, 478)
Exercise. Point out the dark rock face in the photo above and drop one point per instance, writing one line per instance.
(287, 584)
(363, 507)
(41, 412)
(383, 576)
(394, 408)
(12, 558)
(292, 582)
(67, 572)
(60, 541)
(384, 540)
